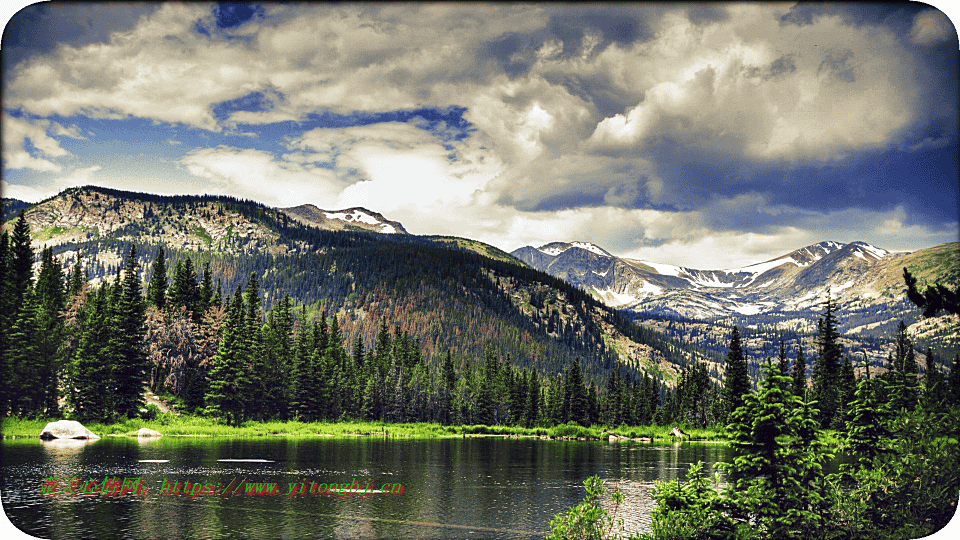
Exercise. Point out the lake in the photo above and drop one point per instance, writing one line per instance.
(464, 488)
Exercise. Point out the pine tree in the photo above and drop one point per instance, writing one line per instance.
(20, 267)
(576, 397)
(933, 382)
(127, 342)
(532, 411)
(799, 374)
(5, 319)
(902, 385)
(737, 378)
(157, 288)
(26, 384)
(228, 379)
(185, 290)
(91, 380)
(935, 299)
(867, 430)
(826, 368)
(51, 295)
(777, 474)
(205, 300)
(953, 380)
(782, 362)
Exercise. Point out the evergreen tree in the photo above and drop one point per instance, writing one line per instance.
(278, 351)
(5, 319)
(228, 379)
(185, 290)
(91, 381)
(777, 474)
(902, 385)
(20, 267)
(953, 380)
(77, 278)
(933, 382)
(867, 430)
(206, 296)
(157, 288)
(51, 295)
(799, 374)
(127, 342)
(26, 384)
(737, 378)
(935, 299)
(782, 362)
(826, 368)
(532, 411)
(576, 396)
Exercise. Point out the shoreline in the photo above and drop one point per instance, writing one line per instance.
(195, 426)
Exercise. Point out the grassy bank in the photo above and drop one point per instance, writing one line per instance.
(184, 425)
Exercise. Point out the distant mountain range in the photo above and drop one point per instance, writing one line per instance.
(788, 292)
(463, 293)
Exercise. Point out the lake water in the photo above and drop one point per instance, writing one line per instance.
(452, 488)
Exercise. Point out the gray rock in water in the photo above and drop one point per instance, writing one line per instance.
(147, 432)
(67, 429)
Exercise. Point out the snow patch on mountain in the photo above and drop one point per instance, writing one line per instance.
(353, 215)
(556, 248)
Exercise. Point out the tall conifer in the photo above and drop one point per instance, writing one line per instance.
(737, 378)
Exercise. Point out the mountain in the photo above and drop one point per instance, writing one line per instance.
(449, 294)
(12, 207)
(787, 292)
(349, 219)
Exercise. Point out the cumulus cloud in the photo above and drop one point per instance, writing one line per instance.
(932, 26)
(673, 128)
(78, 177)
(258, 175)
(19, 134)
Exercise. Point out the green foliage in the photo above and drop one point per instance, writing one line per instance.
(736, 382)
(778, 467)
(827, 368)
(693, 509)
(936, 298)
(588, 519)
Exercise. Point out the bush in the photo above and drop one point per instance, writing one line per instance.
(588, 519)
(150, 412)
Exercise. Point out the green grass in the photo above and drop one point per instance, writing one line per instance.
(184, 425)
(202, 233)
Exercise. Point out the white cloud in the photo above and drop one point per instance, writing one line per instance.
(932, 26)
(16, 133)
(78, 177)
(255, 174)
(748, 85)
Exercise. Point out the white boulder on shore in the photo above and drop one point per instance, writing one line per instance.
(147, 432)
(67, 429)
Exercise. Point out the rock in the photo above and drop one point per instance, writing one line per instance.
(66, 429)
(147, 432)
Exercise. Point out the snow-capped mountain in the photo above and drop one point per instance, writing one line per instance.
(350, 218)
(865, 281)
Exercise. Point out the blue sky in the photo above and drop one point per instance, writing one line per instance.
(714, 134)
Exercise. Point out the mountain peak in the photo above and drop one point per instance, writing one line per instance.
(556, 248)
(355, 217)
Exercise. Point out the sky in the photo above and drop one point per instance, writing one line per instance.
(702, 135)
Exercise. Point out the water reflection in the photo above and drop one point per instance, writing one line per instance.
(483, 488)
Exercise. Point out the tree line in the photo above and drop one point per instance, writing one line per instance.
(226, 355)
